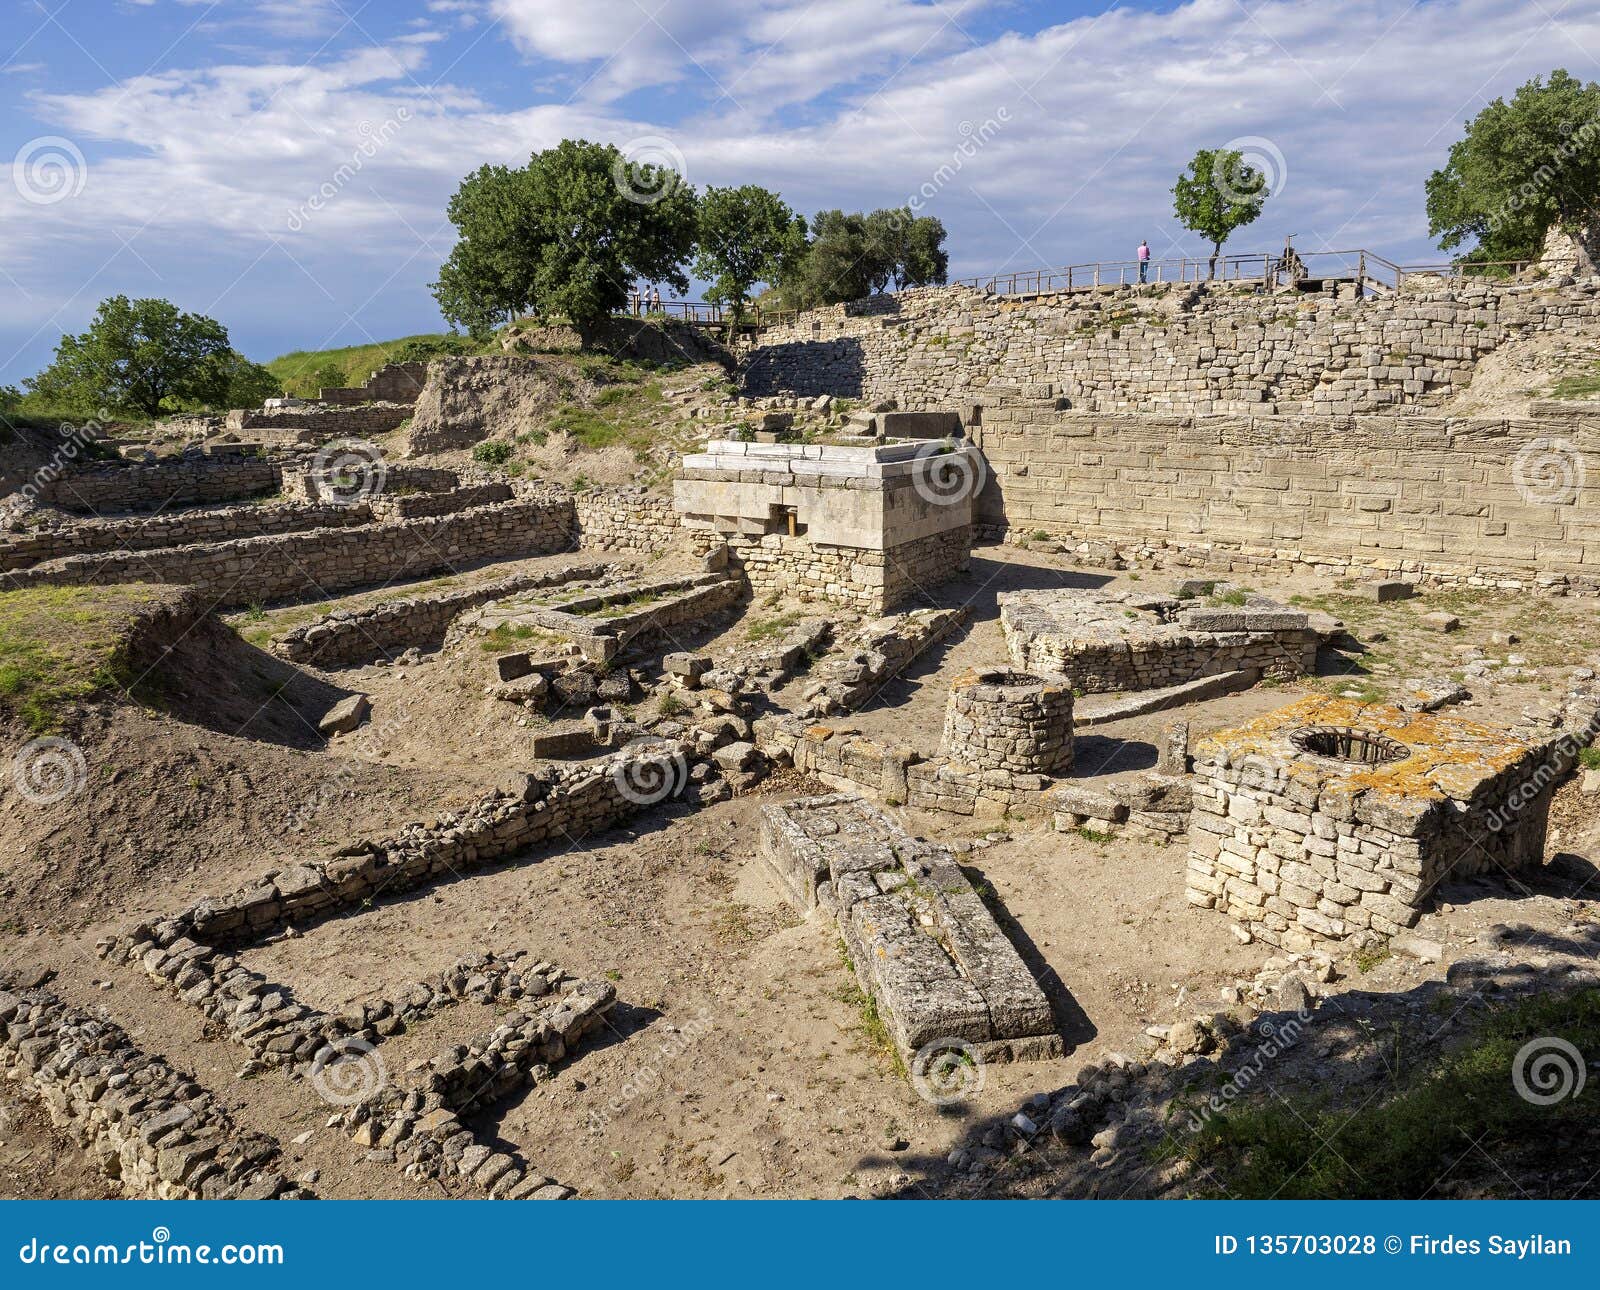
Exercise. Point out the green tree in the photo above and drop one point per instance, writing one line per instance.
(745, 235)
(1219, 193)
(1523, 167)
(905, 250)
(565, 235)
(248, 384)
(138, 356)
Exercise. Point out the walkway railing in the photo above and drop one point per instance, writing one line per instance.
(699, 313)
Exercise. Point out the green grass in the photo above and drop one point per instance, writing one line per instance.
(1577, 387)
(301, 370)
(1301, 1146)
(1589, 758)
(766, 629)
(873, 1027)
(61, 645)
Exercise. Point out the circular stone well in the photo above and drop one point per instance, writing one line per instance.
(1346, 743)
(1003, 719)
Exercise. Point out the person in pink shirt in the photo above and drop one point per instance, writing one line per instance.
(1144, 259)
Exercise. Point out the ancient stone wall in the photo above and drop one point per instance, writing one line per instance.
(391, 383)
(18, 550)
(1161, 348)
(1475, 502)
(328, 422)
(363, 635)
(1003, 719)
(626, 519)
(147, 1125)
(872, 582)
(281, 566)
(188, 481)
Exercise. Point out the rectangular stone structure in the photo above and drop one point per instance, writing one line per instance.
(924, 945)
(1331, 819)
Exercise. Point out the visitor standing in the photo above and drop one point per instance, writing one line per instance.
(1144, 260)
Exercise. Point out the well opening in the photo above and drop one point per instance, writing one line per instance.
(1346, 743)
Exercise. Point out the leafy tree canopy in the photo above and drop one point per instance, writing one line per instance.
(1522, 167)
(854, 255)
(1219, 193)
(140, 356)
(745, 235)
(567, 234)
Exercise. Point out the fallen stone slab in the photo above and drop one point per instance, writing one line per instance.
(345, 715)
(923, 943)
(1100, 710)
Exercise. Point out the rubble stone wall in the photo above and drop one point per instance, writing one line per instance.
(281, 566)
(1162, 348)
(185, 482)
(148, 1126)
(364, 635)
(19, 550)
(391, 383)
(627, 519)
(331, 422)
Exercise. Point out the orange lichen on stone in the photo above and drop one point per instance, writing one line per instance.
(1449, 755)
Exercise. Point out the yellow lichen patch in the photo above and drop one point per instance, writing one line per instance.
(1449, 755)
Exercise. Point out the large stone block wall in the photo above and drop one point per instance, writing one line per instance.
(187, 482)
(1162, 348)
(287, 565)
(1478, 502)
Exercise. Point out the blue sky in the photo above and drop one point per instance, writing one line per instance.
(283, 165)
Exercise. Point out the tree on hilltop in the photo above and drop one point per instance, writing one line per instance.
(745, 235)
(1522, 168)
(567, 234)
(141, 356)
(1219, 193)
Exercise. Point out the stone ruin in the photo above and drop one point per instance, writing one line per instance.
(1116, 641)
(862, 525)
(923, 943)
(1006, 720)
(1329, 818)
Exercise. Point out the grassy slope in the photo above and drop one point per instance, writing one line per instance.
(59, 645)
(1301, 1147)
(297, 370)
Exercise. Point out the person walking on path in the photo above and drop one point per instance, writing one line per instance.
(1144, 259)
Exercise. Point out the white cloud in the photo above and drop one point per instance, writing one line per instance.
(1093, 119)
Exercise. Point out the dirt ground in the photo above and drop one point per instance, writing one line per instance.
(739, 1060)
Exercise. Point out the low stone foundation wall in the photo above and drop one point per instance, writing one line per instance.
(391, 505)
(187, 481)
(1106, 642)
(148, 1126)
(332, 422)
(313, 563)
(170, 529)
(925, 947)
(364, 635)
(391, 383)
(871, 582)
